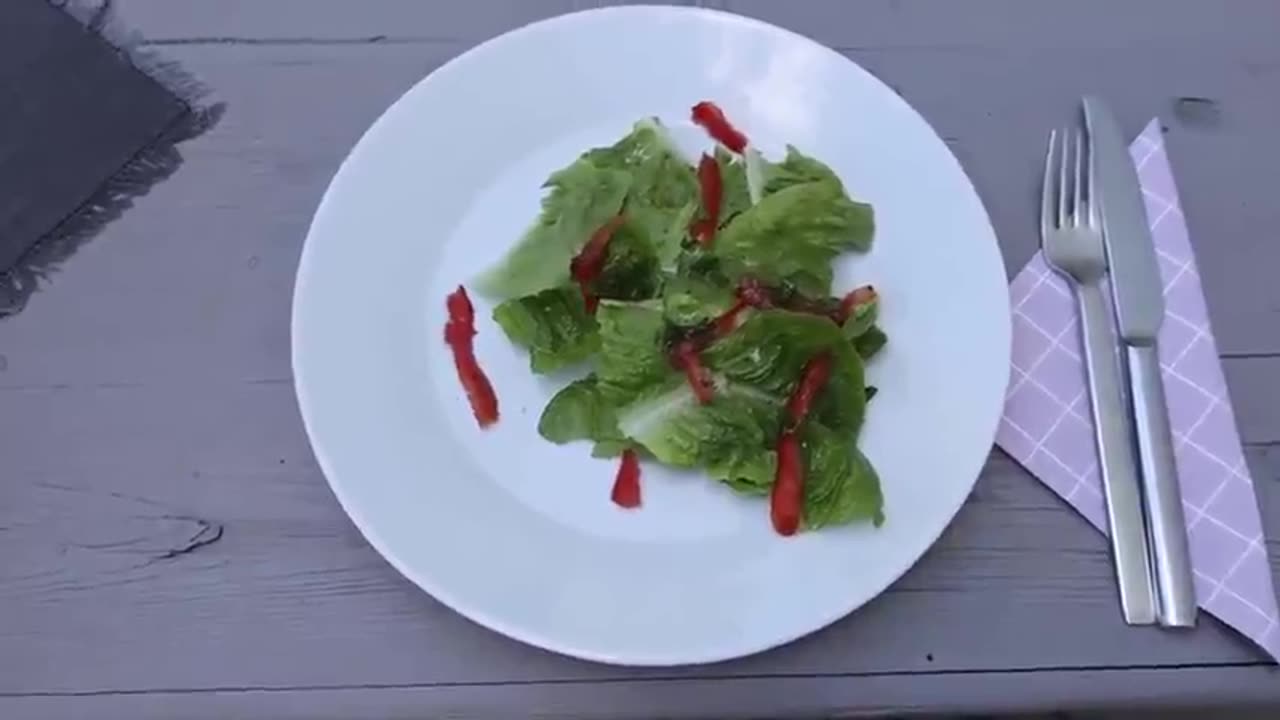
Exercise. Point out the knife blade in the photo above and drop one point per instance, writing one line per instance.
(1138, 295)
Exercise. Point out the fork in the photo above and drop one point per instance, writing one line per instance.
(1071, 237)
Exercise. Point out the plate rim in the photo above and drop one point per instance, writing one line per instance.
(532, 637)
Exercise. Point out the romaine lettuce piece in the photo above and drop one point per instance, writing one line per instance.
(632, 358)
(553, 325)
(631, 270)
(689, 300)
(862, 319)
(796, 169)
(579, 412)
(663, 196)
(767, 354)
(794, 234)
(840, 484)
(582, 198)
(734, 195)
(678, 431)
(870, 342)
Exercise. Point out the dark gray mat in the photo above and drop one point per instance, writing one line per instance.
(88, 121)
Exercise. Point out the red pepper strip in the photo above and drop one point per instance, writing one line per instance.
(687, 359)
(728, 321)
(587, 264)
(711, 117)
(704, 229)
(626, 486)
(787, 497)
(859, 296)
(458, 333)
(814, 376)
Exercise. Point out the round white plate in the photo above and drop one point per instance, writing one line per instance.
(519, 534)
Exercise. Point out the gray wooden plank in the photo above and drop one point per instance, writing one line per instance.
(228, 275)
(308, 21)
(148, 515)
(756, 697)
(992, 24)
(183, 526)
(991, 76)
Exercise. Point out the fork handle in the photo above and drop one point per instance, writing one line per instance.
(1116, 460)
(1170, 556)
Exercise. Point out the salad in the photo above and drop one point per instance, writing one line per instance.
(696, 299)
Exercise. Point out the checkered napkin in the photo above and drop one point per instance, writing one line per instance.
(1047, 425)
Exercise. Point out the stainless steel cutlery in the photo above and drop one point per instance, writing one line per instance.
(1138, 294)
(1072, 240)
(1094, 229)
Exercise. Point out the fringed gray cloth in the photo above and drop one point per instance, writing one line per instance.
(89, 120)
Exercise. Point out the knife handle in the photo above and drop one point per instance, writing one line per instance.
(1116, 461)
(1171, 559)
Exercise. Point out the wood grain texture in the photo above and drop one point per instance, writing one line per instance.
(169, 548)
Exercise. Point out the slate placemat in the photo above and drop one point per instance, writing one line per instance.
(89, 120)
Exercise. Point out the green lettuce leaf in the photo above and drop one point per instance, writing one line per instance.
(767, 355)
(734, 196)
(725, 434)
(797, 169)
(689, 300)
(752, 474)
(863, 319)
(579, 412)
(582, 198)
(553, 325)
(663, 196)
(631, 359)
(840, 484)
(631, 269)
(794, 234)
(870, 342)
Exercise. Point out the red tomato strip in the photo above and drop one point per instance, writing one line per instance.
(585, 267)
(851, 302)
(787, 497)
(626, 486)
(458, 333)
(814, 376)
(712, 119)
(712, 191)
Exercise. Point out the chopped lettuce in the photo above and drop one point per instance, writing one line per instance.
(690, 300)
(794, 234)
(769, 352)
(663, 196)
(781, 225)
(734, 194)
(580, 412)
(863, 319)
(840, 484)
(631, 359)
(582, 197)
(631, 270)
(678, 431)
(870, 342)
(553, 325)
(797, 169)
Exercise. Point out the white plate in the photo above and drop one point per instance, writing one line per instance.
(519, 534)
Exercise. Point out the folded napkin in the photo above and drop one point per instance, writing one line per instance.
(89, 120)
(1047, 425)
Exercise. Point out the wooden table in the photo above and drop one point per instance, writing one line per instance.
(168, 547)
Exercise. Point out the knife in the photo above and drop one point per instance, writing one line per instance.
(1138, 295)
